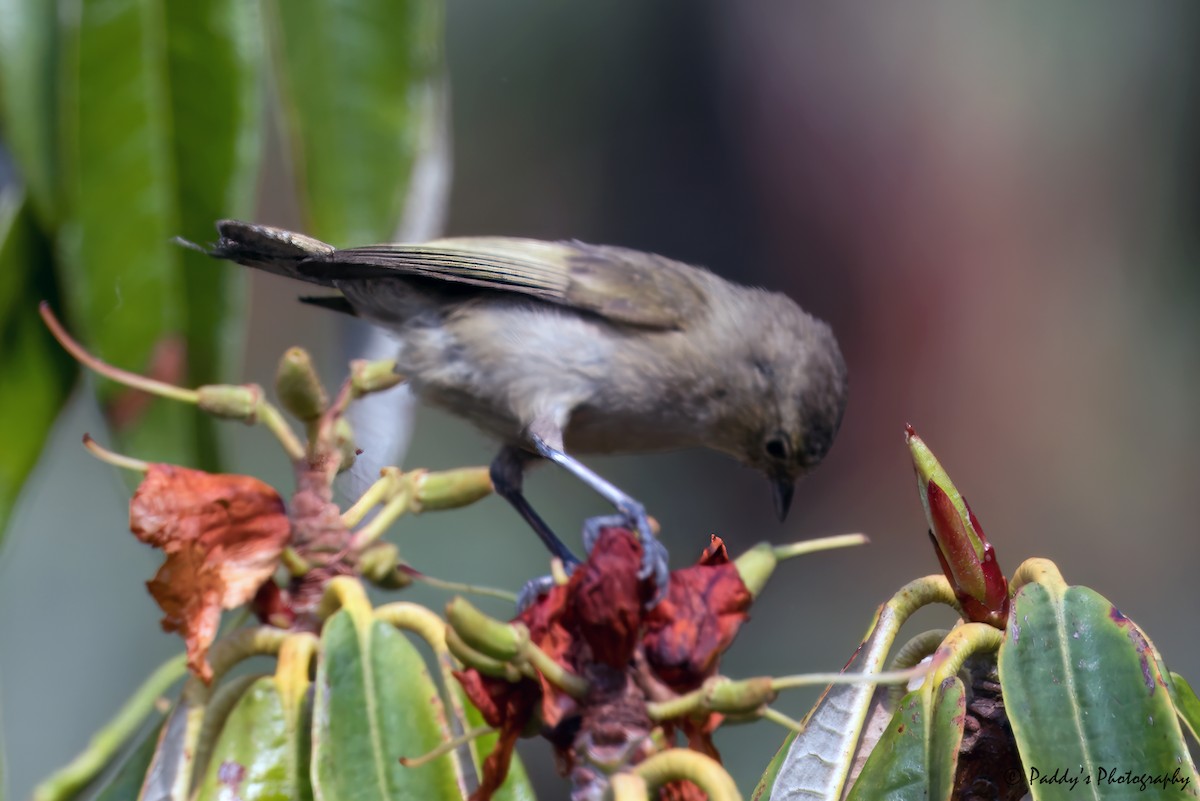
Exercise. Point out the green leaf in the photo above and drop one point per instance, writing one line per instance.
(260, 755)
(1084, 692)
(375, 702)
(356, 83)
(120, 273)
(37, 373)
(915, 759)
(945, 736)
(1186, 702)
(127, 782)
(215, 62)
(818, 762)
(27, 80)
(158, 123)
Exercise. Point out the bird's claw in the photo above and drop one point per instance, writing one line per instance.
(655, 559)
(534, 588)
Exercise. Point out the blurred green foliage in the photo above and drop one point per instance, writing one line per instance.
(130, 122)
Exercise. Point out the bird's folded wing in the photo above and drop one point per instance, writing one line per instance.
(621, 285)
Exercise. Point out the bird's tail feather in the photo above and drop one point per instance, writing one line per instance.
(266, 248)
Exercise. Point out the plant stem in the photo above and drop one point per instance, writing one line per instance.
(105, 743)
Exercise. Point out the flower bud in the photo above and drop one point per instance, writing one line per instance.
(366, 377)
(230, 401)
(297, 386)
(450, 489)
(490, 637)
(967, 558)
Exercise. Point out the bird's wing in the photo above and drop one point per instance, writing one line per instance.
(624, 286)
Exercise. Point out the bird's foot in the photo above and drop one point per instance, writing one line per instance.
(532, 590)
(655, 559)
(536, 587)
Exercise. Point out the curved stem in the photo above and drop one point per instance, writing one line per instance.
(1036, 570)
(274, 422)
(819, 544)
(456, 586)
(961, 643)
(676, 764)
(115, 459)
(447, 747)
(883, 677)
(105, 743)
(629, 787)
(160, 388)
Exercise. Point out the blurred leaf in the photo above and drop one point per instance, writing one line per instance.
(1084, 690)
(127, 783)
(215, 64)
(259, 754)
(37, 373)
(158, 133)
(27, 81)
(120, 273)
(356, 85)
(375, 703)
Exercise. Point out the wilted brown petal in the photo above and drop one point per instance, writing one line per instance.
(607, 598)
(688, 631)
(505, 706)
(222, 534)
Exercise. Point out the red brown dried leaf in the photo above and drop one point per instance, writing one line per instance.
(507, 707)
(606, 598)
(222, 534)
(593, 626)
(688, 631)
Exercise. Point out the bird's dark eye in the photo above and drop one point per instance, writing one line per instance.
(777, 448)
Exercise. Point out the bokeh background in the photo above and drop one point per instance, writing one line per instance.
(994, 205)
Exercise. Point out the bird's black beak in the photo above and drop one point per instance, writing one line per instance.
(783, 488)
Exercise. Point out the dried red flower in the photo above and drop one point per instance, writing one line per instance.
(597, 627)
(222, 535)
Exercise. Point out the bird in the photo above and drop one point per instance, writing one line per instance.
(560, 349)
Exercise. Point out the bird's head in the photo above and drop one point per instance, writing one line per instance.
(798, 378)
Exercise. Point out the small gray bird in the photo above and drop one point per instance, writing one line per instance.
(559, 348)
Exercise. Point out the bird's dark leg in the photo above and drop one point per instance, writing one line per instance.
(508, 477)
(654, 555)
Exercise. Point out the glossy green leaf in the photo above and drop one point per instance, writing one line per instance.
(37, 373)
(356, 83)
(27, 81)
(127, 782)
(219, 707)
(945, 736)
(158, 119)
(375, 702)
(1087, 699)
(916, 756)
(1186, 703)
(261, 754)
(847, 719)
